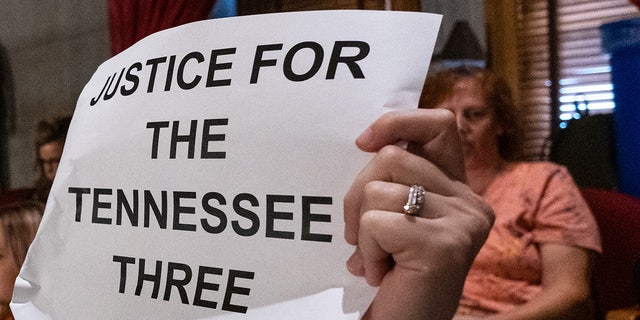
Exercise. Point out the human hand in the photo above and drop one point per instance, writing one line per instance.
(418, 262)
(467, 317)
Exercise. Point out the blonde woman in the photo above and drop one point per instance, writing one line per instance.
(18, 225)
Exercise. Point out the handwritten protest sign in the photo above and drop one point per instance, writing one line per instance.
(205, 168)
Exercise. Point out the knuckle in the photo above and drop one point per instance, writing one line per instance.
(374, 188)
(391, 154)
(481, 217)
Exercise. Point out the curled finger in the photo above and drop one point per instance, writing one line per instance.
(395, 165)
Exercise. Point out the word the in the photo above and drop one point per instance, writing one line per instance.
(206, 137)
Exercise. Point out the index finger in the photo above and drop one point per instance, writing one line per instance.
(431, 133)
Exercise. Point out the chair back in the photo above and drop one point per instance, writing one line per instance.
(618, 217)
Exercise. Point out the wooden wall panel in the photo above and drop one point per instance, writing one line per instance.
(405, 5)
(246, 7)
(501, 28)
(302, 5)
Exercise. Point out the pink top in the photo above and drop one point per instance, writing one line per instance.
(534, 202)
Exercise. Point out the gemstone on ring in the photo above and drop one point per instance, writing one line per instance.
(414, 201)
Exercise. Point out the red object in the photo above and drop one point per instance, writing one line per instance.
(132, 20)
(618, 216)
(15, 195)
(635, 2)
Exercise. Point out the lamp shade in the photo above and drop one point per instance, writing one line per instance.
(462, 44)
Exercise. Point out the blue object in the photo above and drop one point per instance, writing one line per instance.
(621, 39)
(224, 9)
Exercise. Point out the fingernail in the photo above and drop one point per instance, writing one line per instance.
(365, 137)
(354, 265)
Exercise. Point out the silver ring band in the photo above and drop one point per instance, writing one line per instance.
(414, 201)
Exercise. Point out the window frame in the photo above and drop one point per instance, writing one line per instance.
(537, 74)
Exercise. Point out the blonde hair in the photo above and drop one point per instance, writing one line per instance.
(19, 222)
(496, 94)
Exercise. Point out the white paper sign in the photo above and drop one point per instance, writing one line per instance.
(205, 168)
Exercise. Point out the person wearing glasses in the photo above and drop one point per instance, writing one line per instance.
(537, 260)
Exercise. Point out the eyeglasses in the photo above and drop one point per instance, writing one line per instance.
(49, 162)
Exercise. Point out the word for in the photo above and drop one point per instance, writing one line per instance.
(207, 212)
(173, 70)
(178, 276)
(190, 139)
